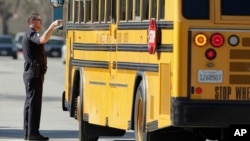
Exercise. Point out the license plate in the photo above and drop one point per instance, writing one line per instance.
(210, 76)
(55, 53)
(3, 52)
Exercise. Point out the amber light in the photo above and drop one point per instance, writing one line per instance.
(200, 39)
(217, 40)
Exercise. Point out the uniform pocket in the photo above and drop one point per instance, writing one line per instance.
(31, 70)
(26, 66)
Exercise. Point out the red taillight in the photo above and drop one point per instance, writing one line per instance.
(210, 54)
(198, 90)
(217, 40)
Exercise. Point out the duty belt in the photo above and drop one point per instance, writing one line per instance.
(35, 66)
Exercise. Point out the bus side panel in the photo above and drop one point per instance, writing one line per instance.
(68, 71)
(95, 95)
(92, 52)
(121, 98)
(159, 94)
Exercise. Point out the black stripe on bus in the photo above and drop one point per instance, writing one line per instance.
(121, 25)
(144, 25)
(88, 26)
(94, 47)
(189, 75)
(122, 47)
(90, 64)
(144, 48)
(136, 66)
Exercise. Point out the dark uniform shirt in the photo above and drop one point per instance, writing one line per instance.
(33, 51)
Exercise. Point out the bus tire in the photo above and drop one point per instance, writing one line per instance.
(82, 134)
(63, 103)
(140, 115)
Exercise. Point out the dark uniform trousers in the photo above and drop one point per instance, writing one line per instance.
(33, 79)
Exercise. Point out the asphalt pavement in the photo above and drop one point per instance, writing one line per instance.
(55, 123)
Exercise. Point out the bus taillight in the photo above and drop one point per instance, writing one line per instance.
(200, 39)
(210, 54)
(217, 40)
(198, 90)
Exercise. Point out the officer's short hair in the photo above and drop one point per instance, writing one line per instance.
(32, 16)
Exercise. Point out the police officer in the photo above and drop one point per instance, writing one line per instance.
(35, 67)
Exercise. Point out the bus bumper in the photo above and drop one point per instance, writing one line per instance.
(209, 113)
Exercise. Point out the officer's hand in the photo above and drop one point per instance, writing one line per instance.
(57, 23)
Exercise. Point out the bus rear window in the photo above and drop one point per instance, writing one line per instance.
(235, 7)
(195, 9)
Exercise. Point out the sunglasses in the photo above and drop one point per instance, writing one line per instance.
(37, 19)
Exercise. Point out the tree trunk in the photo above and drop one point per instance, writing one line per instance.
(6, 13)
(5, 26)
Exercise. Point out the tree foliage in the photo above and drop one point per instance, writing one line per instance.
(17, 11)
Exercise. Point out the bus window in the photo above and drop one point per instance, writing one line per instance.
(110, 10)
(95, 9)
(153, 9)
(161, 9)
(129, 10)
(137, 10)
(87, 11)
(81, 14)
(101, 10)
(145, 9)
(157, 9)
(76, 10)
(235, 7)
(190, 10)
(122, 10)
(113, 14)
(70, 11)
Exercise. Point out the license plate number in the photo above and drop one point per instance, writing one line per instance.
(210, 76)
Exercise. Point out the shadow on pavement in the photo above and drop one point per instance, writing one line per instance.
(18, 133)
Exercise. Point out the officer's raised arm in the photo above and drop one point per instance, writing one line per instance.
(47, 34)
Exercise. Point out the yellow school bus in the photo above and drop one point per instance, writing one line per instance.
(157, 66)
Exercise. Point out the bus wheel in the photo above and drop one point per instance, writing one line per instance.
(140, 115)
(63, 98)
(82, 134)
